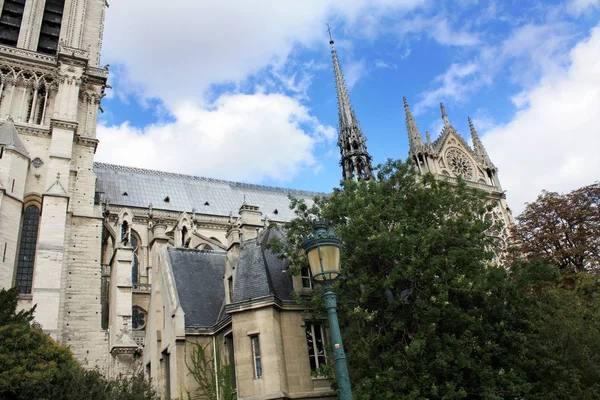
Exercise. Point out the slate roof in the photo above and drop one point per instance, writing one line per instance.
(198, 278)
(187, 192)
(10, 138)
(259, 272)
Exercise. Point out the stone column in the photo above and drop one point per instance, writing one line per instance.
(123, 348)
(49, 260)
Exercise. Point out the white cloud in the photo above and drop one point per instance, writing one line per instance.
(240, 137)
(578, 7)
(527, 53)
(454, 84)
(553, 142)
(353, 72)
(383, 65)
(437, 28)
(175, 51)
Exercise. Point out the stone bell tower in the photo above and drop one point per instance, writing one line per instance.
(449, 157)
(50, 91)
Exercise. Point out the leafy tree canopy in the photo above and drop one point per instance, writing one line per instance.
(563, 229)
(35, 367)
(8, 308)
(424, 309)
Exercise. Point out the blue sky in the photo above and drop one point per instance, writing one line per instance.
(244, 90)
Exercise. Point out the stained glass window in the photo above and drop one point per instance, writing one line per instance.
(26, 260)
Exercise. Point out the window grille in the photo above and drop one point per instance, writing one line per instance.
(27, 245)
(306, 278)
(10, 21)
(316, 346)
(50, 30)
(256, 355)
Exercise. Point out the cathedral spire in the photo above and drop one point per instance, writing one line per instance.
(356, 161)
(478, 146)
(444, 116)
(414, 136)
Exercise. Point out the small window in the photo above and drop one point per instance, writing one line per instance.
(124, 231)
(184, 236)
(166, 358)
(230, 287)
(135, 267)
(306, 278)
(138, 319)
(316, 346)
(256, 355)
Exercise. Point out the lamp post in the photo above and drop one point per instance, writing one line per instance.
(322, 247)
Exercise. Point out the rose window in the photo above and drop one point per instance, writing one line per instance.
(138, 318)
(460, 164)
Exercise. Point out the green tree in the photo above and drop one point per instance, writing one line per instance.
(563, 230)
(35, 367)
(424, 310)
(203, 370)
(8, 308)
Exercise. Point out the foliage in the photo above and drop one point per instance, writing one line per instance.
(563, 229)
(203, 370)
(8, 308)
(562, 354)
(33, 366)
(424, 310)
(31, 362)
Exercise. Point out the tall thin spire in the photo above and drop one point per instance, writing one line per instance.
(478, 146)
(414, 136)
(444, 115)
(356, 161)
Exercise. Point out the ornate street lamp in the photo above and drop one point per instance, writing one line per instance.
(322, 247)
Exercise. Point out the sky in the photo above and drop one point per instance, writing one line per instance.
(244, 90)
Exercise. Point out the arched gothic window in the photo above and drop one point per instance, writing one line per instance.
(135, 273)
(184, 236)
(27, 245)
(124, 231)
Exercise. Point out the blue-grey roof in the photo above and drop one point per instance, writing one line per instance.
(199, 280)
(10, 138)
(187, 192)
(259, 272)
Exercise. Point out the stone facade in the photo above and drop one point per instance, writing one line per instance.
(51, 99)
(130, 267)
(450, 157)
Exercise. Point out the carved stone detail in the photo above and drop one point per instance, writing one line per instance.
(27, 54)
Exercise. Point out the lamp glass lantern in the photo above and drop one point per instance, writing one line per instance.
(322, 247)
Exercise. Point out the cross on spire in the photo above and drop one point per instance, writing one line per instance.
(329, 31)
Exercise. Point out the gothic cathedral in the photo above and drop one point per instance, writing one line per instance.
(131, 268)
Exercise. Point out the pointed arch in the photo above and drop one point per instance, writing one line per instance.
(136, 243)
(27, 248)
